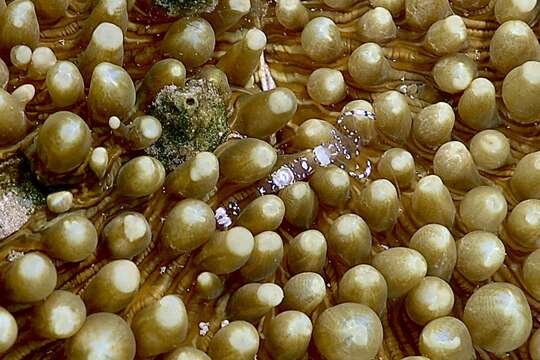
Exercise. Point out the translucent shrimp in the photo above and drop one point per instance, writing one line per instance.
(342, 151)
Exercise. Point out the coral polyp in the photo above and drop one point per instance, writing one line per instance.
(253, 179)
